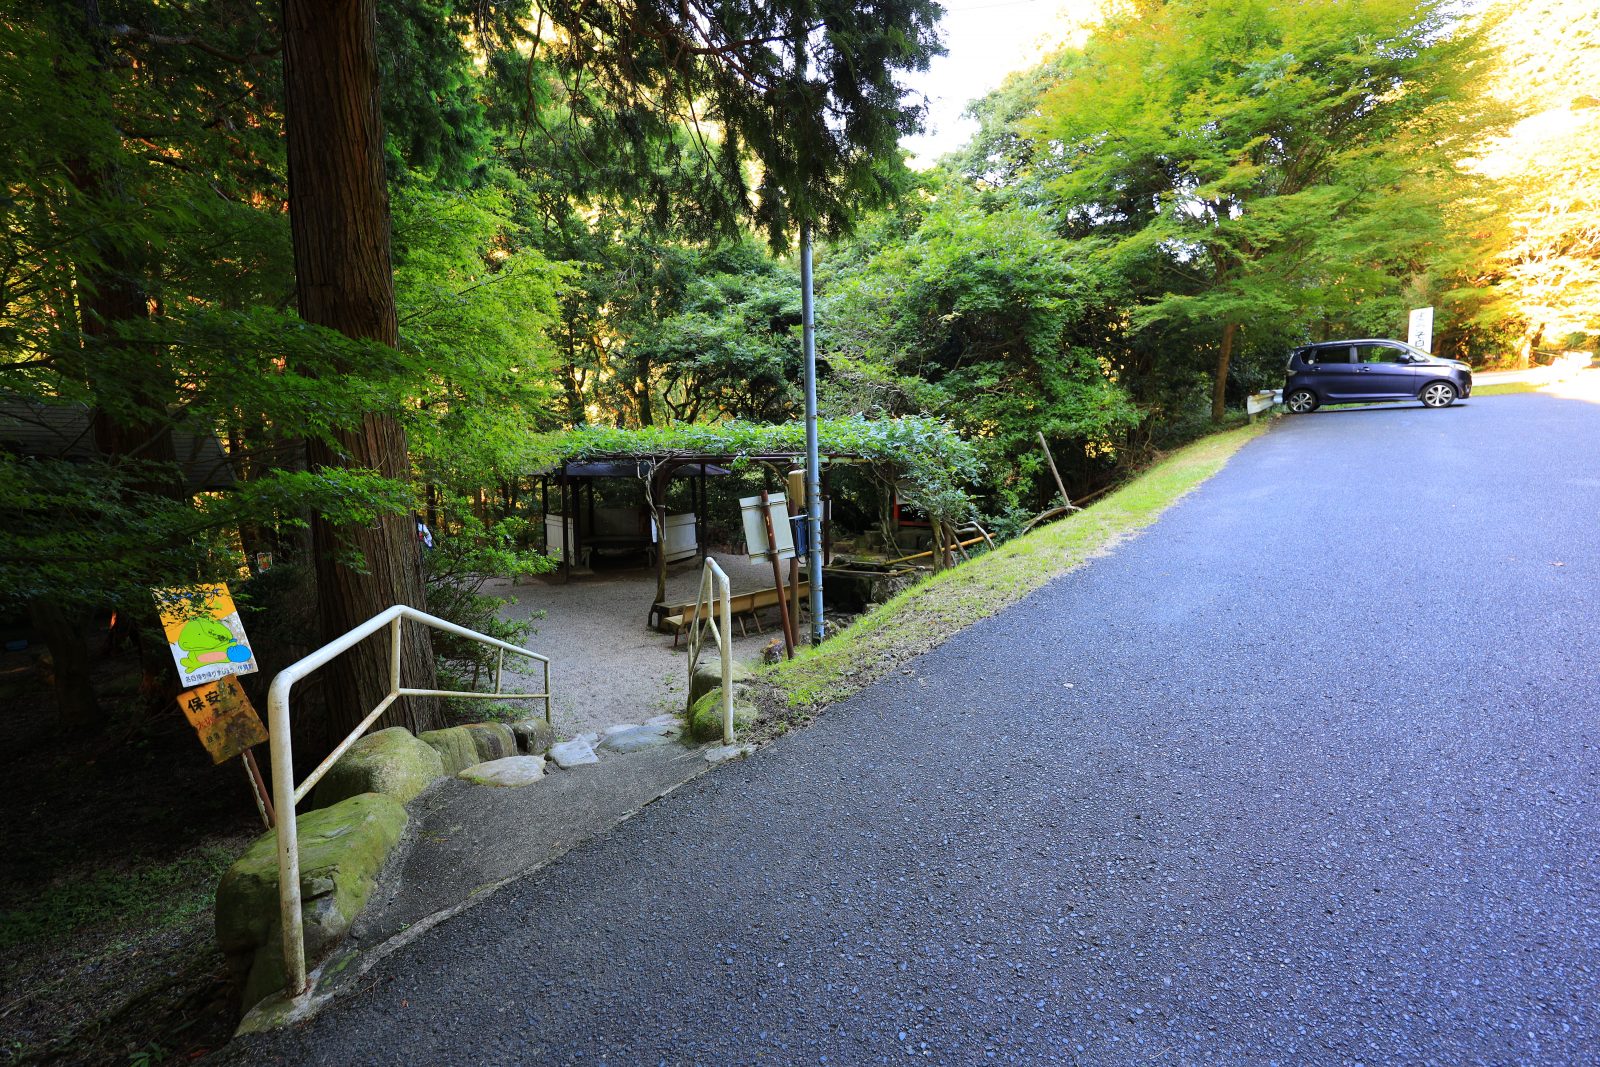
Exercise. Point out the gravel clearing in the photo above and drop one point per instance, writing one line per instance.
(606, 666)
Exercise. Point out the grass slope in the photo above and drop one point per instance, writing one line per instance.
(1505, 388)
(924, 616)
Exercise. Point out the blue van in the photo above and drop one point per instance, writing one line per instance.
(1359, 372)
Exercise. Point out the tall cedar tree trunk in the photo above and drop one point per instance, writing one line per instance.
(1219, 389)
(339, 219)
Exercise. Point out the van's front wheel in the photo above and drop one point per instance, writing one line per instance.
(1439, 395)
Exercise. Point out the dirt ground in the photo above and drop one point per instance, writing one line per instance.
(607, 666)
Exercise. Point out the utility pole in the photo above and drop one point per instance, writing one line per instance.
(808, 334)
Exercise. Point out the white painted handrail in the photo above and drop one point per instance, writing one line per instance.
(714, 583)
(286, 794)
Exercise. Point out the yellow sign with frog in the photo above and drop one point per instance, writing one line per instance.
(204, 633)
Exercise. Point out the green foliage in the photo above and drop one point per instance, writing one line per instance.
(477, 306)
(433, 118)
(982, 317)
(726, 344)
(1267, 165)
(461, 561)
(822, 127)
(929, 462)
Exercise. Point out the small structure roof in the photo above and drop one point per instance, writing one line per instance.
(66, 431)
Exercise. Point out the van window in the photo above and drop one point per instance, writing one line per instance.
(1379, 354)
(1335, 354)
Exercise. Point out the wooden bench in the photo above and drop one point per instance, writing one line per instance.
(740, 605)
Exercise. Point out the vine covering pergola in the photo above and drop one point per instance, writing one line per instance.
(923, 459)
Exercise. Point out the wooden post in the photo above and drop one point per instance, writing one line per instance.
(827, 517)
(658, 515)
(1067, 503)
(566, 531)
(258, 789)
(777, 576)
(700, 510)
(795, 479)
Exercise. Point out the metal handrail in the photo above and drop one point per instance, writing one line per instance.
(714, 582)
(286, 794)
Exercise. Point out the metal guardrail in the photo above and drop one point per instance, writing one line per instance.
(286, 795)
(714, 583)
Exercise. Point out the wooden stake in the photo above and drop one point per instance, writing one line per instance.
(258, 789)
(952, 536)
(1065, 500)
(777, 576)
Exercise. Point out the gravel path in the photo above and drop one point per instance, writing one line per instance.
(1305, 774)
(607, 666)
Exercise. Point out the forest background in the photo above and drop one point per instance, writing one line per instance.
(591, 214)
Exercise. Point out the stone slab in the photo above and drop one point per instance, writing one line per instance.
(636, 738)
(575, 753)
(508, 771)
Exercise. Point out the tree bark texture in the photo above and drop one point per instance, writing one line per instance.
(1219, 389)
(339, 219)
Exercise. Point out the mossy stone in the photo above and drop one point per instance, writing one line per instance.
(342, 850)
(708, 676)
(457, 750)
(534, 736)
(493, 740)
(705, 716)
(391, 762)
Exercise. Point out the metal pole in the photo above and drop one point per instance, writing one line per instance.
(808, 333)
(294, 946)
(725, 653)
(394, 655)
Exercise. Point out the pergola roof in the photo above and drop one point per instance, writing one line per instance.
(632, 467)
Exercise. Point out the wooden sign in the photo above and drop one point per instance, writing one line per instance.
(1419, 332)
(204, 633)
(223, 717)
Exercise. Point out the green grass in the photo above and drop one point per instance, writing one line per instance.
(1503, 388)
(927, 614)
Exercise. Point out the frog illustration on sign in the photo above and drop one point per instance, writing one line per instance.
(204, 632)
(209, 641)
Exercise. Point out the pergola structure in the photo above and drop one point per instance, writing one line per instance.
(574, 478)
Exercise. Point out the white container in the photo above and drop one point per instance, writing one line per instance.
(681, 540)
(553, 525)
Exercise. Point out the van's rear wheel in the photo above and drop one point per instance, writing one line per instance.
(1439, 395)
(1301, 401)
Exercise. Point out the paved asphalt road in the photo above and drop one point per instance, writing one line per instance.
(1305, 774)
